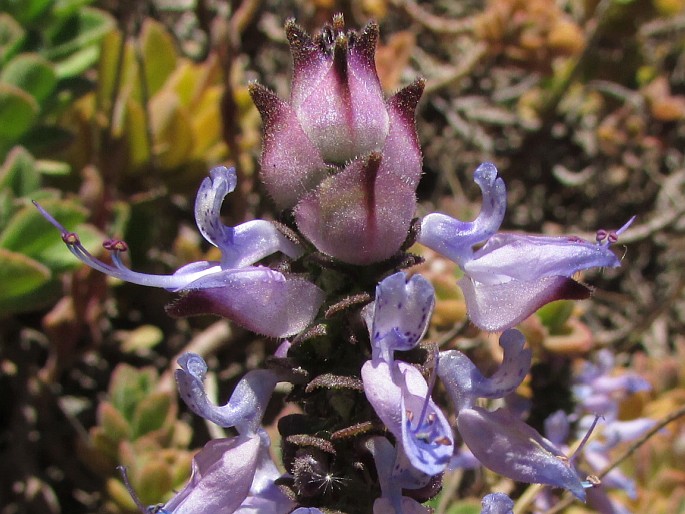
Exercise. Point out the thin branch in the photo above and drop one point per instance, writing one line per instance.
(435, 24)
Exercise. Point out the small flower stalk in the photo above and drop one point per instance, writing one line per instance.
(384, 412)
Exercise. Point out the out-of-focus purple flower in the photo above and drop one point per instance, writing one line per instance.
(257, 297)
(346, 159)
(512, 275)
(598, 390)
(497, 503)
(465, 383)
(510, 447)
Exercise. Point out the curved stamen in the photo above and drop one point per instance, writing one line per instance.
(610, 237)
(120, 270)
(585, 439)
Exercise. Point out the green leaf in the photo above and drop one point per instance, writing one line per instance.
(128, 386)
(19, 275)
(26, 11)
(154, 481)
(78, 62)
(29, 233)
(554, 315)
(31, 73)
(159, 54)
(53, 168)
(142, 338)
(6, 206)
(18, 111)
(171, 129)
(11, 37)
(84, 28)
(18, 173)
(151, 413)
(113, 422)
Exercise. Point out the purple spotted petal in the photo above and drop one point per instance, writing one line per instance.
(496, 307)
(454, 238)
(399, 316)
(510, 447)
(245, 244)
(245, 408)
(394, 390)
(222, 473)
(258, 298)
(497, 503)
(465, 383)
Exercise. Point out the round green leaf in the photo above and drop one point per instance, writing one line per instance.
(18, 111)
(19, 275)
(11, 37)
(31, 73)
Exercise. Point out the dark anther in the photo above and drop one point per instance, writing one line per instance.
(444, 441)
(612, 237)
(115, 245)
(410, 416)
(601, 235)
(71, 238)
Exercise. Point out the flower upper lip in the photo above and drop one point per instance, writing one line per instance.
(512, 275)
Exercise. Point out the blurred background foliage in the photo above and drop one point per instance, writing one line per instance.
(111, 113)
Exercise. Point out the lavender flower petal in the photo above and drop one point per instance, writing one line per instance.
(258, 298)
(497, 503)
(245, 244)
(454, 238)
(399, 316)
(245, 408)
(465, 383)
(510, 447)
(221, 476)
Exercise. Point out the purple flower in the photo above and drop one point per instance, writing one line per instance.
(510, 447)
(512, 275)
(397, 391)
(343, 157)
(401, 398)
(257, 297)
(465, 383)
(497, 503)
(222, 473)
(399, 316)
(391, 501)
(245, 458)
